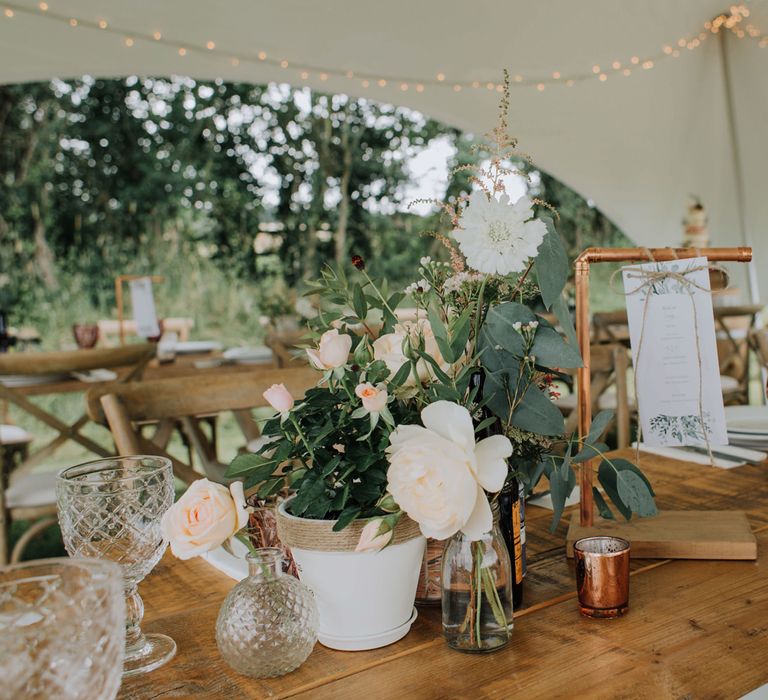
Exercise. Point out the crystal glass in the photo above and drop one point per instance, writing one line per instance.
(111, 509)
(61, 629)
(267, 625)
(477, 591)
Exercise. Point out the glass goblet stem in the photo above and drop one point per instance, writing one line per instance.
(134, 612)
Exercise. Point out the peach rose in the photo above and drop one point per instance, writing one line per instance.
(279, 398)
(374, 398)
(376, 535)
(205, 517)
(332, 352)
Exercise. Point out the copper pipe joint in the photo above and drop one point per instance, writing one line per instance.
(602, 576)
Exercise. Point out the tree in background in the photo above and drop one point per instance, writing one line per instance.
(100, 177)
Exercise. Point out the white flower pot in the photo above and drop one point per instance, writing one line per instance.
(365, 599)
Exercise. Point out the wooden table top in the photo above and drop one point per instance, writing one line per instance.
(694, 628)
(181, 366)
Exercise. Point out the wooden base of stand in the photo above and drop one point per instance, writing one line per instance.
(677, 534)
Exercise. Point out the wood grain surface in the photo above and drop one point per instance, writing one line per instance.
(695, 629)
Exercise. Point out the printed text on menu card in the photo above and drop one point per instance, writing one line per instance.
(674, 389)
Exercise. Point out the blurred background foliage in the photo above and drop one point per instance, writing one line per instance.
(234, 192)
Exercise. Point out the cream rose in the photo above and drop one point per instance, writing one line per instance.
(332, 352)
(438, 475)
(206, 515)
(376, 535)
(374, 398)
(389, 349)
(279, 398)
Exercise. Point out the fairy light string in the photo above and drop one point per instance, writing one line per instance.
(733, 20)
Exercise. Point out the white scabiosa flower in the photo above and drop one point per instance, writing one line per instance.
(497, 237)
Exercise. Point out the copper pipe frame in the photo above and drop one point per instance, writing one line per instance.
(583, 335)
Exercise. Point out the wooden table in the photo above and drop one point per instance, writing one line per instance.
(695, 629)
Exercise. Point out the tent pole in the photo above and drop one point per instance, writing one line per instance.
(754, 292)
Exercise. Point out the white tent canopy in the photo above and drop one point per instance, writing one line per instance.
(636, 144)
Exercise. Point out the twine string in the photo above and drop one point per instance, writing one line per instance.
(649, 279)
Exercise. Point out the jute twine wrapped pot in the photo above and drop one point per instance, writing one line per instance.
(318, 535)
(365, 599)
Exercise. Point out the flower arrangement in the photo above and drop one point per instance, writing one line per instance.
(392, 426)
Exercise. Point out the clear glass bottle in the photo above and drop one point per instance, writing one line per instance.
(267, 625)
(477, 591)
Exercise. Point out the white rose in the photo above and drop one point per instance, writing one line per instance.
(206, 516)
(332, 352)
(438, 475)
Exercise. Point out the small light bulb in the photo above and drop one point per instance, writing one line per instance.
(323, 76)
(441, 77)
(182, 51)
(350, 74)
(262, 55)
(635, 60)
(556, 75)
(457, 88)
(540, 87)
(603, 77)
(382, 83)
(235, 61)
(365, 83)
(8, 12)
(626, 71)
(419, 88)
(569, 83)
(157, 36)
(304, 75)
(73, 22)
(128, 42)
(43, 6)
(595, 69)
(404, 87)
(102, 24)
(210, 45)
(518, 78)
(616, 65)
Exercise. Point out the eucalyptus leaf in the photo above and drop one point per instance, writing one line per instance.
(552, 351)
(552, 267)
(625, 465)
(599, 424)
(560, 307)
(559, 492)
(606, 475)
(602, 506)
(538, 414)
(591, 451)
(634, 492)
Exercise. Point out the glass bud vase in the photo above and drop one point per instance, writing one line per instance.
(477, 591)
(267, 625)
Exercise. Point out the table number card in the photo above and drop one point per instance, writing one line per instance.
(674, 389)
(143, 302)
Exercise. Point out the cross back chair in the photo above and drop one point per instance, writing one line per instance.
(26, 495)
(608, 369)
(125, 407)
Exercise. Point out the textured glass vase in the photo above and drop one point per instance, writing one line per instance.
(268, 623)
(477, 591)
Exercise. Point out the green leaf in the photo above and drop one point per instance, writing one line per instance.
(485, 423)
(552, 351)
(460, 331)
(598, 425)
(634, 492)
(538, 414)
(400, 376)
(246, 463)
(606, 475)
(559, 492)
(309, 490)
(591, 451)
(269, 488)
(441, 335)
(560, 307)
(551, 264)
(346, 517)
(626, 465)
(602, 506)
(359, 303)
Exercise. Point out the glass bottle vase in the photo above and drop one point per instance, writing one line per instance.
(267, 625)
(477, 591)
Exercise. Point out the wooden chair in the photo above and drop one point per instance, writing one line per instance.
(285, 347)
(25, 495)
(109, 329)
(609, 365)
(36, 364)
(124, 407)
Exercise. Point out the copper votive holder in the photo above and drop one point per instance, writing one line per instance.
(602, 576)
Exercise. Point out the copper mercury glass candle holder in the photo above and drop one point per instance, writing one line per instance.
(602, 576)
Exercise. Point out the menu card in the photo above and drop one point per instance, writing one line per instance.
(678, 383)
(143, 302)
